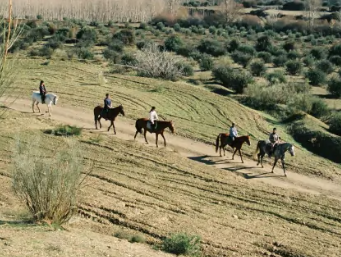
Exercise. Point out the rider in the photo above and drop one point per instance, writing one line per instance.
(107, 105)
(274, 140)
(233, 132)
(42, 90)
(153, 117)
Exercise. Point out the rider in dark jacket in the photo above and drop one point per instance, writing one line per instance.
(107, 105)
(42, 90)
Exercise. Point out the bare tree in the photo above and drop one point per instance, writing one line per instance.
(312, 8)
(231, 10)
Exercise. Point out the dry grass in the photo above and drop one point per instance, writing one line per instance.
(159, 193)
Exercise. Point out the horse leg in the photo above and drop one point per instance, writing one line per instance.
(234, 153)
(273, 167)
(220, 151)
(49, 111)
(283, 163)
(241, 157)
(136, 135)
(258, 158)
(156, 138)
(145, 135)
(110, 126)
(164, 139)
(99, 121)
(38, 107)
(113, 125)
(261, 160)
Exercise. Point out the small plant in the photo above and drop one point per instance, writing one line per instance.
(318, 53)
(246, 49)
(185, 68)
(334, 86)
(336, 60)
(325, 66)
(319, 108)
(316, 77)
(39, 17)
(173, 43)
(308, 61)
(85, 53)
(211, 47)
(257, 68)
(263, 43)
(241, 58)
(276, 77)
(293, 55)
(293, 67)
(335, 124)
(233, 45)
(265, 56)
(182, 244)
(206, 62)
(65, 130)
(289, 46)
(280, 61)
(127, 36)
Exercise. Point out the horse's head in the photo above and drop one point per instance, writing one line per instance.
(291, 150)
(55, 99)
(171, 127)
(248, 141)
(121, 110)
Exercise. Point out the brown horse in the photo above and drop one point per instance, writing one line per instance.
(160, 128)
(111, 115)
(224, 140)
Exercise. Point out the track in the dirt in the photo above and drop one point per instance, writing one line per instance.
(191, 149)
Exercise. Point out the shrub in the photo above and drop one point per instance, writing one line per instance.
(173, 43)
(241, 58)
(87, 36)
(257, 68)
(47, 185)
(233, 45)
(293, 55)
(316, 77)
(128, 59)
(334, 87)
(230, 78)
(182, 244)
(46, 51)
(206, 62)
(289, 46)
(65, 130)
(185, 68)
(85, 53)
(151, 62)
(116, 46)
(336, 60)
(246, 49)
(308, 61)
(293, 67)
(211, 47)
(300, 102)
(177, 27)
(335, 50)
(111, 55)
(325, 66)
(280, 61)
(127, 36)
(265, 56)
(276, 77)
(335, 124)
(318, 53)
(263, 43)
(294, 6)
(319, 108)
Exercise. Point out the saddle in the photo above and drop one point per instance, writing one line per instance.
(150, 127)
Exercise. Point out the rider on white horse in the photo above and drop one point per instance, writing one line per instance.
(153, 117)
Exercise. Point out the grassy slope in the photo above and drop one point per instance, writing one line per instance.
(197, 113)
(157, 192)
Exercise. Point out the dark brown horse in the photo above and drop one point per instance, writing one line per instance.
(110, 115)
(160, 128)
(224, 139)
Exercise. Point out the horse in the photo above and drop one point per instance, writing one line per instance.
(224, 139)
(50, 98)
(111, 115)
(279, 153)
(160, 128)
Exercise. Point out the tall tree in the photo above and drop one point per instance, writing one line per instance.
(312, 8)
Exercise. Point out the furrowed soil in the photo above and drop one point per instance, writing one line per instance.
(182, 188)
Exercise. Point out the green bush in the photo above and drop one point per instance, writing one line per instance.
(276, 77)
(206, 62)
(289, 46)
(233, 45)
(87, 35)
(308, 61)
(336, 60)
(325, 66)
(265, 56)
(318, 53)
(116, 45)
(65, 130)
(112, 56)
(293, 55)
(85, 53)
(46, 51)
(335, 124)
(241, 58)
(127, 36)
(177, 27)
(293, 67)
(316, 77)
(182, 244)
(212, 47)
(263, 43)
(319, 108)
(48, 184)
(185, 68)
(246, 49)
(280, 61)
(257, 68)
(173, 43)
(335, 50)
(334, 86)
(128, 59)
(236, 79)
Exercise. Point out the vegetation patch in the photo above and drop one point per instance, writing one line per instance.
(65, 130)
(182, 244)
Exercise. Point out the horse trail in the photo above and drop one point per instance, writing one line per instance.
(189, 148)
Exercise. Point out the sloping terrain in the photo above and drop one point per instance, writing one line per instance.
(156, 192)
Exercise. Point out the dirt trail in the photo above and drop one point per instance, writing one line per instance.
(191, 149)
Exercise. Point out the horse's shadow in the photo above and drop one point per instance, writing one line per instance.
(202, 159)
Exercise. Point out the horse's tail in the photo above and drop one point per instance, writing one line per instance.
(138, 128)
(217, 143)
(257, 150)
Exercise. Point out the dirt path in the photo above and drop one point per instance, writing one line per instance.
(191, 149)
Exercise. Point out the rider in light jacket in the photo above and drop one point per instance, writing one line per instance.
(274, 140)
(153, 117)
(233, 132)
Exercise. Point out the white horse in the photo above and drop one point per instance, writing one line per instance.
(50, 99)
